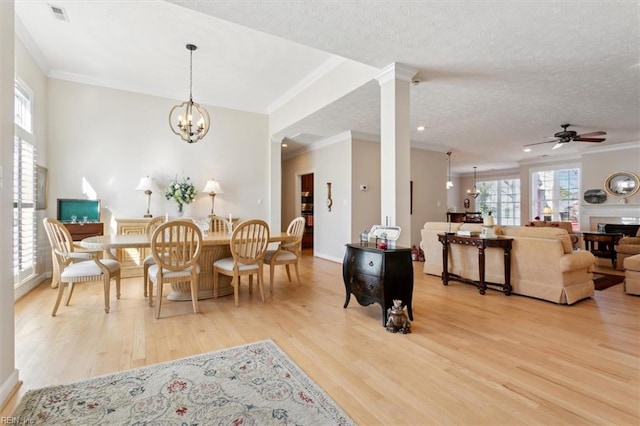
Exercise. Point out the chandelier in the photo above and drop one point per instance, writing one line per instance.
(473, 193)
(449, 182)
(192, 121)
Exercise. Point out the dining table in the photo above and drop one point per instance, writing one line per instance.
(215, 245)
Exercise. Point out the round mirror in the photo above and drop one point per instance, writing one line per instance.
(622, 184)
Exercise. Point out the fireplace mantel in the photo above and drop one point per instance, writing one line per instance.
(592, 214)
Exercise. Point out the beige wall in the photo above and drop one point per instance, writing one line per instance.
(429, 175)
(103, 140)
(597, 167)
(8, 372)
(365, 171)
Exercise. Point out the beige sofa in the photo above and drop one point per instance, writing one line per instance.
(543, 263)
(632, 275)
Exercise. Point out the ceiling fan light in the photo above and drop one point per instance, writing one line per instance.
(558, 145)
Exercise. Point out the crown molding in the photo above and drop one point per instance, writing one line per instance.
(326, 67)
(396, 71)
(31, 46)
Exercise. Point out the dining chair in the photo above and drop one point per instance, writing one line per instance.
(288, 253)
(248, 244)
(149, 259)
(75, 267)
(176, 246)
(218, 224)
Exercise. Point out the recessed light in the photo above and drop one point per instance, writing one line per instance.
(421, 128)
(284, 145)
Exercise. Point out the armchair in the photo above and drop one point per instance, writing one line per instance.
(627, 247)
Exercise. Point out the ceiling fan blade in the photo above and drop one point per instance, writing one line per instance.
(599, 133)
(589, 139)
(540, 143)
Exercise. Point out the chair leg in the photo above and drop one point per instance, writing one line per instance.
(288, 272)
(71, 288)
(145, 278)
(250, 283)
(158, 297)
(260, 281)
(60, 292)
(235, 283)
(107, 287)
(272, 269)
(194, 293)
(150, 293)
(295, 265)
(215, 283)
(118, 287)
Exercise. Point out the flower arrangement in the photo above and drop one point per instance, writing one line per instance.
(181, 192)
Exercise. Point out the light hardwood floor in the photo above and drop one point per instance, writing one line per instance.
(471, 359)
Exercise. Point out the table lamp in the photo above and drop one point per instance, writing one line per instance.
(546, 213)
(146, 185)
(212, 187)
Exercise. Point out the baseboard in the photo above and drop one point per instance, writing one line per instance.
(327, 257)
(30, 285)
(9, 387)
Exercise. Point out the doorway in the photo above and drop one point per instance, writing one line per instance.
(306, 208)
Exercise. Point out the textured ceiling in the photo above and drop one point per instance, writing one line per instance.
(494, 75)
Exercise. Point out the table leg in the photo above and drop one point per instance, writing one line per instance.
(445, 261)
(482, 286)
(507, 271)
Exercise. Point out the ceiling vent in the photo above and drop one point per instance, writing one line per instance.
(59, 13)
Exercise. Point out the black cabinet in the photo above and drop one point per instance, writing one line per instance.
(375, 275)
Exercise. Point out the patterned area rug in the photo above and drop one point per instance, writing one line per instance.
(604, 281)
(254, 384)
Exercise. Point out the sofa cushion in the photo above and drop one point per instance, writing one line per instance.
(540, 232)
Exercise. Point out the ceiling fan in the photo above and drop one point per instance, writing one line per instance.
(566, 136)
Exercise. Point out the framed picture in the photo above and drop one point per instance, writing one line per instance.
(41, 188)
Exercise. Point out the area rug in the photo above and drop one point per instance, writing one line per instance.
(604, 281)
(254, 384)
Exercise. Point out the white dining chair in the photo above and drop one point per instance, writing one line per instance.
(248, 244)
(288, 253)
(176, 247)
(75, 267)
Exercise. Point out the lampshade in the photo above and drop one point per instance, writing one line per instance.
(213, 186)
(547, 210)
(145, 184)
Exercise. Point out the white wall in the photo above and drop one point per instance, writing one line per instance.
(8, 372)
(103, 140)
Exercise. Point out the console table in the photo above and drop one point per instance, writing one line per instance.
(376, 275)
(481, 244)
(602, 244)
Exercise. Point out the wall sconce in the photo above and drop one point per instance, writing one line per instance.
(474, 193)
(546, 213)
(146, 185)
(212, 187)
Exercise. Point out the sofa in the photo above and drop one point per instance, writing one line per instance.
(627, 247)
(632, 275)
(544, 264)
(568, 226)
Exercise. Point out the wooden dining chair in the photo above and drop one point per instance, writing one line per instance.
(218, 224)
(75, 267)
(149, 260)
(288, 253)
(248, 244)
(176, 246)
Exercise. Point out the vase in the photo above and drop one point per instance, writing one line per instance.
(180, 212)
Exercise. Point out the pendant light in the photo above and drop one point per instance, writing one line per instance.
(473, 193)
(449, 183)
(192, 121)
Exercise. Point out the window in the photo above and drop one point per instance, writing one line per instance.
(558, 190)
(502, 199)
(24, 213)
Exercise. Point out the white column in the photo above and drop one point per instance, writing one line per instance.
(395, 149)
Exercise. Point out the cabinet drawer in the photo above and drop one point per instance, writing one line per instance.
(366, 262)
(367, 285)
(80, 231)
